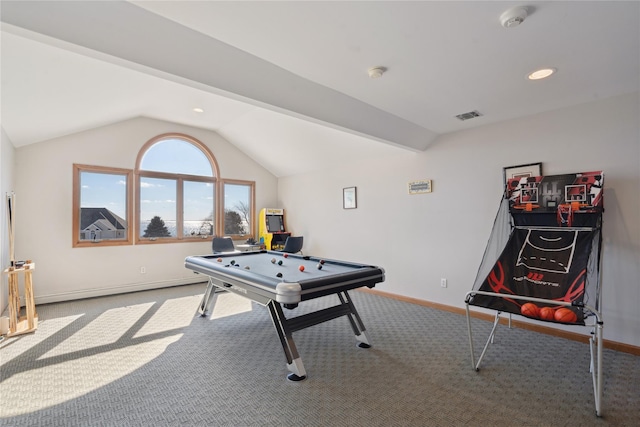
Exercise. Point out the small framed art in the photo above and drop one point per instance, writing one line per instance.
(420, 187)
(349, 198)
(521, 171)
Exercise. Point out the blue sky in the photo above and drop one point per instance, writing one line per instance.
(104, 190)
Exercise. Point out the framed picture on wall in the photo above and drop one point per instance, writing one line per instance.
(521, 171)
(420, 187)
(349, 198)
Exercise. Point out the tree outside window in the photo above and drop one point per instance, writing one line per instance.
(156, 228)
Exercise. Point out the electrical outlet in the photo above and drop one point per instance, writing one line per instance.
(143, 270)
(443, 283)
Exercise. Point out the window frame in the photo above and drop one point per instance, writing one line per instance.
(180, 178)
(77, 191)
(252, 201)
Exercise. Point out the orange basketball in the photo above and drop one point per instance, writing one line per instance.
(565, 315)
(547, 313)
(530, 310)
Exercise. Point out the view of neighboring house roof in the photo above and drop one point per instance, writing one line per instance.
(102, 218)
(102, 224)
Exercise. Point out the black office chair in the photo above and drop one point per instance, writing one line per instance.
(223, 245)
(293, 245)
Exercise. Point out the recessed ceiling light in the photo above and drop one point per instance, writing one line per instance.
(198, 110)
(541, 73)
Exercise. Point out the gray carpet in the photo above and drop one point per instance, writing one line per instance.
(147, 358)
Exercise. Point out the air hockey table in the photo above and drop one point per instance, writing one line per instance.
(276, 280)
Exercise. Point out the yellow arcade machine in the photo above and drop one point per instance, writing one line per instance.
(271, 230)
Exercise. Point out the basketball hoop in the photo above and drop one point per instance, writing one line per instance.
(528, 207)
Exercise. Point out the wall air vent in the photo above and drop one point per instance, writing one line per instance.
(469, 115)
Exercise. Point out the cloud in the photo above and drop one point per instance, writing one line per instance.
(157, 201)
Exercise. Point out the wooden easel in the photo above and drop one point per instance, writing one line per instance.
(19, 324)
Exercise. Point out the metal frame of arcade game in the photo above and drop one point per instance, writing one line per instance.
(543, 260)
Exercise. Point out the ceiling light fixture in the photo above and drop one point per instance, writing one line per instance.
(198, 110)
(375, 72)
(513, 17)
(541, 73)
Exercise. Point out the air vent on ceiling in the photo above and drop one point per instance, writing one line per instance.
(469, 115)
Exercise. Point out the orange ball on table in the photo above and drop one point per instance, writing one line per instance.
(301, 268)
(529, 309)
(565, 315)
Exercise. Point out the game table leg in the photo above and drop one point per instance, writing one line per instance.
(355, 321)
(294, 362)
(208, 299)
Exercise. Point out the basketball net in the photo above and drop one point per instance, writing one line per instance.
(565, 215)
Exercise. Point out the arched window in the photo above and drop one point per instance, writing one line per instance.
(179, 197)
(177, 188)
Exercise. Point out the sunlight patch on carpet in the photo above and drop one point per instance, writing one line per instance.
(229, 304)
(170, 315)
(106, 328)
(57, 383)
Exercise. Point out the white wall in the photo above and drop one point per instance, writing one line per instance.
(419, 239)
(7, 153)
(43, 177)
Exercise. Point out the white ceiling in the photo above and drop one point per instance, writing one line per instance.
(286, 82)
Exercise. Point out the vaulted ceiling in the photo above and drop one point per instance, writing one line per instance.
(287, 82)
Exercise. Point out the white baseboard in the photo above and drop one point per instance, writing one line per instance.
(99, 292)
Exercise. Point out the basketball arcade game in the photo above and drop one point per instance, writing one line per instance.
(542, 260)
